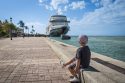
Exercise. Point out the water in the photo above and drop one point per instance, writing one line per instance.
(109, 46)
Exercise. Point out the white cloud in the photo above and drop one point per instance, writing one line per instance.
(61, 6)
(106, 2)
(55, 3)
(60, 11)
(97, 4)
(48, 7)
(78, 4)
(66, 8)
(109, 14)
(94, 1)
(107, 20)
(41, 1)
(100, 3)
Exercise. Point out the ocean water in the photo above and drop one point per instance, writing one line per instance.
(109, 46)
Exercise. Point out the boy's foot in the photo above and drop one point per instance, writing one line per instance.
(77, 75)
(74, 79)
(71, 77)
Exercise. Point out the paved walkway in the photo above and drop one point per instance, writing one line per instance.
(29, 60)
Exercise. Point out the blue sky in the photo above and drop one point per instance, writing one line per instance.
(91, 17)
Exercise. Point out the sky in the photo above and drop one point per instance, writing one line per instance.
(90, 17)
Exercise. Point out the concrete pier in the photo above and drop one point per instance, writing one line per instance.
(30, 60)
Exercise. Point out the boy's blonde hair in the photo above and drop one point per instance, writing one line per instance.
(83, 39)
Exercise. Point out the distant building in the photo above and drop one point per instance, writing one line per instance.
(19, 32)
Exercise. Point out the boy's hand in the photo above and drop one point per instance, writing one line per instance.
(76, 70)
(64, 65)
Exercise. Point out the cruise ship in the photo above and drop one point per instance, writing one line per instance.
(58, 25)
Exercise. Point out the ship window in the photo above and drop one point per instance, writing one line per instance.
(58, 18)
(58, 23)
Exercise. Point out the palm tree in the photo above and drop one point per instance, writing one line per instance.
(32, 26)
(33, 31)
(6, 21)
(28, 31)
(0, 22)
(22, 24)
(27, 28)
(1, 29)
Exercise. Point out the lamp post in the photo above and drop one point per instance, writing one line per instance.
(10, 29)
(28, 31)
(23, 33)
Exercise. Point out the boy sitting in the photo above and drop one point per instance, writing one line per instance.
(81, 60)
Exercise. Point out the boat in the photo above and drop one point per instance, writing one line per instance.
(58, 25)
(65, 37)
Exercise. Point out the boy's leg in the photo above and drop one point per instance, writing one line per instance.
(75, 78)
(71, 69)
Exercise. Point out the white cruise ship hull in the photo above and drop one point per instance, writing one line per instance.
(58, 30)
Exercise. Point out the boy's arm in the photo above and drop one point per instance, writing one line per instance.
(77, 65)
(69, 62)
